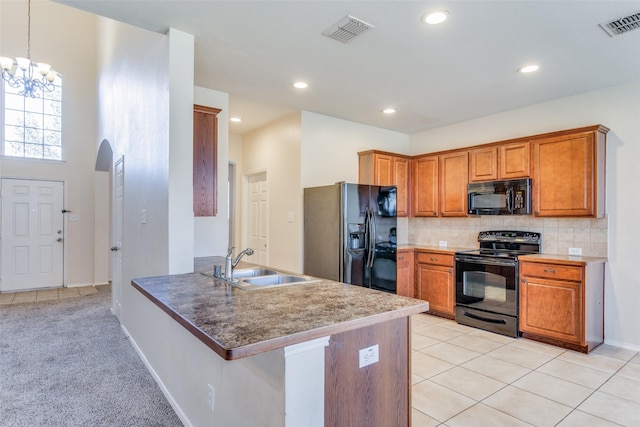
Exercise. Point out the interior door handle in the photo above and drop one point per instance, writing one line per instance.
(115, 248)
(59, 239)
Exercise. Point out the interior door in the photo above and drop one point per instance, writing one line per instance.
(32, 234)
(118, 217)
(258, 217)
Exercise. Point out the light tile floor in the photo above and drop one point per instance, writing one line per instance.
(466, 377)
(45, 295)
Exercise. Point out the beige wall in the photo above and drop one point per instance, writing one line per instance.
(275, 148)
(66, 38)
(235, 156)
(617, 108)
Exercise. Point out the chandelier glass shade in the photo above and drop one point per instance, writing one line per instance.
(34, 78)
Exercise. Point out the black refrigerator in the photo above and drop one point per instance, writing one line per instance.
(350, 234)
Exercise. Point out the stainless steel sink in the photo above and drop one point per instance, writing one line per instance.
(278, 279)
(253, 278)
(242, 273)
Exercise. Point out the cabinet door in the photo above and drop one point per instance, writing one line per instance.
(405, 274)
(563, 175)
(483, 164)
(425, 186)
(383, 165)
(513, 160)
(552, 309)
(454, 177)
(401, 171)
(435, 285)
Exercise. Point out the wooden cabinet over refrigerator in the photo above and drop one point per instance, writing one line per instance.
(382, 168)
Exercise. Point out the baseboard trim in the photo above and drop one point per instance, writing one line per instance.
(155, 376)
(625, 345)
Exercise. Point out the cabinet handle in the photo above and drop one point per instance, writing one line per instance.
(400, 258)
(434, 259)
(451, 270)
(524, 280)
(550, 270)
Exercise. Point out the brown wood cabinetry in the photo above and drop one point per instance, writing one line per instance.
(501, 161)
(440, 184)
(454, 177)
(424, 189)
(405, 279)
(205, 160)
(569, 173)
(435, 282)
(381, 168)
(561, 302)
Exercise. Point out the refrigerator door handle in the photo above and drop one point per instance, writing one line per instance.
(373, 239)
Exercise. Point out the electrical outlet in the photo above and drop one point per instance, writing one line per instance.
(368, 356)
(212, 394)
(575, 251)
(443, 243)
(143, 216)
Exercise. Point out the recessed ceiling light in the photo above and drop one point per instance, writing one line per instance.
(435, 17)
(300, 85)
(235, 119)
(389, 110)
(528, 69)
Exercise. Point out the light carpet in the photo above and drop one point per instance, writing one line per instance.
(68, 363)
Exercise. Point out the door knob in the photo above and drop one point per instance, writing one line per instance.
(59, 239)
(114, 248)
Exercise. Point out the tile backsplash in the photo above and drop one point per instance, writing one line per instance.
(558, 234)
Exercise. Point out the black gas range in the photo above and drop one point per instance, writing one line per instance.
(487, 280)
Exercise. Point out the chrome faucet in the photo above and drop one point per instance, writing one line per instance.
(230, 263)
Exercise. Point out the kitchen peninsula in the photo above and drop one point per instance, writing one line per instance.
(314, 354)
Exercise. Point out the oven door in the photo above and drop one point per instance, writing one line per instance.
(487, 294)
(487, 284)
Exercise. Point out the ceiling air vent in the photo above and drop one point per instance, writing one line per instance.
(622, 25)
(346, 29)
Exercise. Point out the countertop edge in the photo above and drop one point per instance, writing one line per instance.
(280, 342)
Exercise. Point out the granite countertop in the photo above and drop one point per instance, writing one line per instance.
(237, 323)
(433, 248)
(561, 259)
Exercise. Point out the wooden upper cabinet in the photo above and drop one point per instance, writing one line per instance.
(205, 160)
(483, 164)
(568, 173)
(514, 160)
(453, 177)
(402, 171)
(502, 161)
(381, 168)
(424, 192)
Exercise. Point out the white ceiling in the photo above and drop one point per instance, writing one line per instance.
(432, 75)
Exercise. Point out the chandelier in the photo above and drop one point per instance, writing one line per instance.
(33, 77)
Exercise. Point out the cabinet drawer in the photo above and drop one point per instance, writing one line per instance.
(552, 271)
(434, 258)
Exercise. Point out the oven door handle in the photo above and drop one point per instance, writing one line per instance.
(487, 260)
(484, 319)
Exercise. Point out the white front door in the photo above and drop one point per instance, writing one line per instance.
(118, 217)
(32, 234)
(257, 217)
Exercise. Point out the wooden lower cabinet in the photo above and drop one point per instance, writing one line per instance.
(405, 273)
(377, 395)
(435, 282)
(562, 302)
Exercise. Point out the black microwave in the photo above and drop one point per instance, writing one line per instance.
(511, 197)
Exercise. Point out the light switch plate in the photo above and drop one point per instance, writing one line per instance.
(290, 216)
(443, 243)
(368, 356)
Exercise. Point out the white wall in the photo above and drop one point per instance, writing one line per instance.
(617, 108)
(330, 148)
(181, 225)
(212, 232)
(235, 156)
(65, 38)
